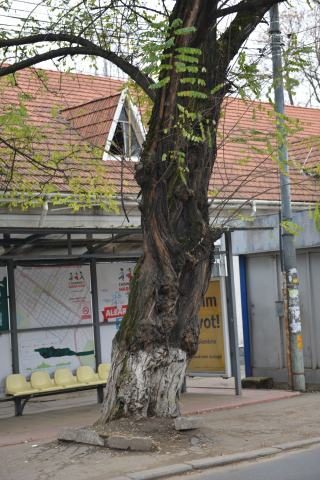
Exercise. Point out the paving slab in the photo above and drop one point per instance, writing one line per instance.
(29, 428)
(205, 400)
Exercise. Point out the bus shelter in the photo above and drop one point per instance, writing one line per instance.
(64, 292)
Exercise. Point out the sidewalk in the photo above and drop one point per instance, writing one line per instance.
(43, 417)
(224, 432)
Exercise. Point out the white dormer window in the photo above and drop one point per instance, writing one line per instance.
(126, 135)
(125, 142)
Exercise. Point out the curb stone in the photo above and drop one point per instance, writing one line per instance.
(210, 462)
(303, 443)
(227, 459)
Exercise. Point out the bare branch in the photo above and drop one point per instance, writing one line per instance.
(87, 48)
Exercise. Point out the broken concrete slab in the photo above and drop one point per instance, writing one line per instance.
(80, 435)
(122, 442)
(67, 434)
(140, 444)
(118, 441)
(187, 423)
(89, 437)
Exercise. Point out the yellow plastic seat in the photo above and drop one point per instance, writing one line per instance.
(43, 382)
(17, 385)
(86, 375)
(64, 378)
(103, 371)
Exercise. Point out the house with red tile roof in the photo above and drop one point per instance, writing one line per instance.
(92, 111)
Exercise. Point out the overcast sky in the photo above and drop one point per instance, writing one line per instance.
(22, 9)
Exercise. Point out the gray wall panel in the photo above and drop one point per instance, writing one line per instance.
(268, 346)
(265, 328)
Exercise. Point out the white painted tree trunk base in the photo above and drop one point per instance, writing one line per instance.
(145, 383)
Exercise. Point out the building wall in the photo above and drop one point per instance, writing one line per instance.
(264, 288)
(267, 331)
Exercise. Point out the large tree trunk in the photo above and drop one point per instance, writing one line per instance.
(159, 333)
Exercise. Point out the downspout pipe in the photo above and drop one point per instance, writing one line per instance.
(45, 208)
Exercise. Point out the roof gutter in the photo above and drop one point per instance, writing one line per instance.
(262, 203)
(134, 201)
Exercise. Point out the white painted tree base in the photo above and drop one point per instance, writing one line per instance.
(145, 383)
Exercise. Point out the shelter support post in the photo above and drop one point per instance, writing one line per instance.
(13, 318)
(184, 385)
(245, 316)
(232, 317)
(96, 326)
(18, 408)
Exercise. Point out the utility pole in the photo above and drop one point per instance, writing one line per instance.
(291, 301)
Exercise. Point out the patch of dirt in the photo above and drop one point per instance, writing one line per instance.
(162, 432)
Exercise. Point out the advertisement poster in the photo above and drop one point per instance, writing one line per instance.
(113, 281)
(210, 356)
(54, 297)
(114, 288)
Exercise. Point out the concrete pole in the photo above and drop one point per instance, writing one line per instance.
(289, 252)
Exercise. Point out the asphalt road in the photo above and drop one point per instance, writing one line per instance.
(296, 465)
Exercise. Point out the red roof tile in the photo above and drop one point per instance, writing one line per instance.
(93, 120)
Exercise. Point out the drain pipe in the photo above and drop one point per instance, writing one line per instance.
(44, 212)
(254, 208)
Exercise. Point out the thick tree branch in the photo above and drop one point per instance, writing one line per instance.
(244, 6)
(241, 28)
(86, 48)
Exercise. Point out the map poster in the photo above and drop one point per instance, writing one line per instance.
(54, 297)
(46, 350)
(113, 290)
(210, 356)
